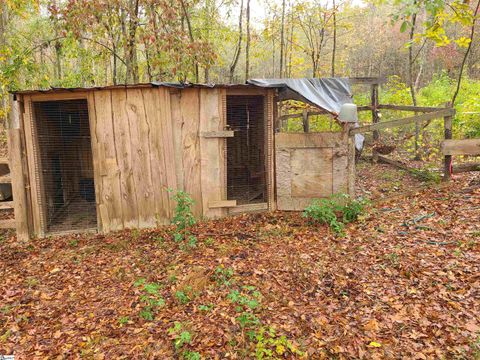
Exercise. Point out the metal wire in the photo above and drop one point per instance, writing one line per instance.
(67, 189)
(246, 170)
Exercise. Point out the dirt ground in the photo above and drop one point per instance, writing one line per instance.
(403, 282)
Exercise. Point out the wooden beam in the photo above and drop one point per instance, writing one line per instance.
(222, 204)
(460, 168)
(6, 205)
(7, 224)
(447, 162)
(404, 121)
(5, 179)
(409, 108)
(217, 134)
(368, 80)
(461, 147)
(392, 162)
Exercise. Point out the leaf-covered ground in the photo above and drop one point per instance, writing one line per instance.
(404, 282)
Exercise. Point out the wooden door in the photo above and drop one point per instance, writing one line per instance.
(311, 166)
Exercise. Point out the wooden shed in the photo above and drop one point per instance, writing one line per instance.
(105, 159)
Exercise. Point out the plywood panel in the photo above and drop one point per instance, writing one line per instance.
(305, 140)
(139, 131)
(125, 158)
(310, 166)
(212, 169)
(311, 172)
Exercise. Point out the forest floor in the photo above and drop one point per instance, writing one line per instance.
(403, 282)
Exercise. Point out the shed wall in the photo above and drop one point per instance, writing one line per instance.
(145, 141)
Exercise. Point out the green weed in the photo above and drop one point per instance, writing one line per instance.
(151, 299)
(335, 211)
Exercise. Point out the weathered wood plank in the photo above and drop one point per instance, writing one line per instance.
(247, 208)
(408, 108)
(210, 149)
(124, 158)
(217, 134)
(222, 204)
(314, 140)
(33, 168)
(7, 205)
(460, 168)
(165, 122)
(270, 108)
(190, 106)
(404, 121)
(95, 160)
(7, 224)
(153, 104)
(18, 171)
(109, 193)
(177, 126)
(140, 147)
(461, 147)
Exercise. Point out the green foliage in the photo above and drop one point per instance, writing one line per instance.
(223, 275)
(150, 298)
(181, 338)
(271, 346)
(123, 320)
(206, 308)
(183, 219)
(182, 295)
(183, 216)
(335, 211)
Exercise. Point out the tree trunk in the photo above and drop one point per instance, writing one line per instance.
(411, 83)
(247, 45)
(192, 39)
(334, 48)
(282, 38)
(131, 56)
(238, 49)
(472, 35)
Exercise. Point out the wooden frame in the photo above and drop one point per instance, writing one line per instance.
(268, 101)
(37, 194)
(404, 121)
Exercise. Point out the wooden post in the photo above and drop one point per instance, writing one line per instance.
(17, 169)
(447, 126)
(375, 117)
(306, 124)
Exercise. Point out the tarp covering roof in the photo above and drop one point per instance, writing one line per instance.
(326, 93)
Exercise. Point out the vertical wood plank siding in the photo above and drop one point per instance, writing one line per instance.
(146, 141)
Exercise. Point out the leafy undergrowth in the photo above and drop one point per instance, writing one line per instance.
(403, 282)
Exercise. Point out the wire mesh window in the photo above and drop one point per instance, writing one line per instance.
(246, 174)
(67, 190)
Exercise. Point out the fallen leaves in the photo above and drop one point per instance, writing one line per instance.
(382, 290)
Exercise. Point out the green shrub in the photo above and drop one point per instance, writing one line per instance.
(151, 299)
(329, 211)
(183, 216)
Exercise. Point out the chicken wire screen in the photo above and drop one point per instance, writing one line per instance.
(246, 171)
(67, 191)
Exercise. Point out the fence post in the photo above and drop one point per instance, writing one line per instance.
(447, 126)
(306, 124)
(375, 118)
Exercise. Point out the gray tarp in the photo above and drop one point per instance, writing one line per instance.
(327, 93)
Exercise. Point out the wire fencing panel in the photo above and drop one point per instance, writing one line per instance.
(246, 151)
(66, 165)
